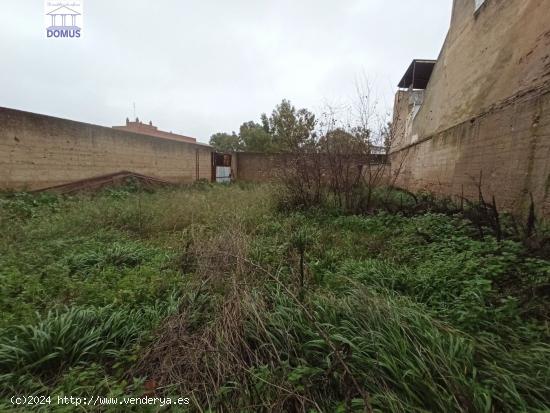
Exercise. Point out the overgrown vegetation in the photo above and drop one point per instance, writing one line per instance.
(284, 130)
(215, 294)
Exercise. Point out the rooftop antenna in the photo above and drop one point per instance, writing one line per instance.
(134, 110)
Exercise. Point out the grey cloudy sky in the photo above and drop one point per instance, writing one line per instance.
(201, 66)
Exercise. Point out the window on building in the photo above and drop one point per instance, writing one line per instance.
(479, 3)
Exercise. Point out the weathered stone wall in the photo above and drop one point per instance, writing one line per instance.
(509, 146)
(263, 167)
(38, 151)
(489, 56)
(258, 167)
(486, 109)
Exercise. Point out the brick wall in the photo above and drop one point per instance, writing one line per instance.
(486, 109)
(490, 55)
(38, 151)
(258, 167)
(509, 146)
(262, 167)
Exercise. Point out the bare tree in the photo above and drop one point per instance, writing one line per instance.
(344, 162)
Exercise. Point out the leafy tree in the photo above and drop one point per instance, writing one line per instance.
(285, 130)
(339, 140)
(224, 142)
(255, 138)
(290, 128)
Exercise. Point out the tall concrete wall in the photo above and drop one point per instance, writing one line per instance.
(509, 147)
(486, 109)
(490, 55)
(38, 151)
(265, 167)
(258, 167)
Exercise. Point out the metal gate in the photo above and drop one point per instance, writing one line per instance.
(223, 174)
(221, 168)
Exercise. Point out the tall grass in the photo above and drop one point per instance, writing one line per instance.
(426, 331)
(85, 279)
(211, 293)
(76, 336)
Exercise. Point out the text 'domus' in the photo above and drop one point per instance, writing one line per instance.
(63, 19)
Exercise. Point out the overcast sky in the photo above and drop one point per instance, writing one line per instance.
(197, 67)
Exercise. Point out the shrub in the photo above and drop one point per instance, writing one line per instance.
(74, 337)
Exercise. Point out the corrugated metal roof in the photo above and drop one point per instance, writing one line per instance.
(418, 74)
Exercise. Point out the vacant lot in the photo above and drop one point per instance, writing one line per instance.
(213, 293)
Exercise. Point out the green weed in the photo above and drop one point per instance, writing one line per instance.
(208, 291)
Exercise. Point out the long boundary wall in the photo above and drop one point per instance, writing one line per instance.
(38, 151)
(258, 167)
(266, 167)
(508, 146)
(486, 109)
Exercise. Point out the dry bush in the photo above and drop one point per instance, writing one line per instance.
(220, 335)
(192, 353)
(341, 165)
(339, 171)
